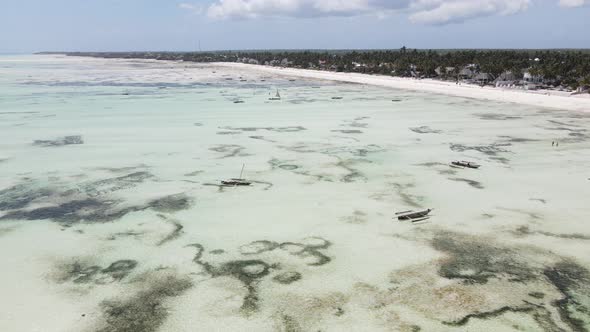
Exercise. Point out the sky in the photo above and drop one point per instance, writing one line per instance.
(189, 25)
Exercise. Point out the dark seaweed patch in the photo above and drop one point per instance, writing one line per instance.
(407, 198)
(288, 167)
(357, 217)
(496, 116)
(250, 271)
(425, 130)
(176, 231)
(261, 138)
(573, 281)
(125, 234)
(474, 261)
(228, 132)
(290, 324)
(120, 269)
(82, 273)
(511, 139)
(246, 271)
(109, 185)
(87, 202)
(258, 247)
(353, 175)
(229, 150)
(489, 314)
(67, 140)
(473, 183)
(21, 195)
(67, 212)
(145, 311)
(491, 150)
(287, 278)
(121, 169)
(172, 203)
(525, 230)
(540, 200)
(195, 173)
(309, 250)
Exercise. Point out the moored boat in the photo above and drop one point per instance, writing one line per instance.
(237, 182)
(413, 216)
(468, 164)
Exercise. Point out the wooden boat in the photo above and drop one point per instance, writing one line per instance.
(276, 97)
(237, 182)
(467, 164)
(238, 101)
(337, 98)
(413, 216)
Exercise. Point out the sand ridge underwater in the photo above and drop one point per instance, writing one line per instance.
(112, 217)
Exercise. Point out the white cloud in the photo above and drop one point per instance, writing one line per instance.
(419, 11)
(445, 11)
(301, 8)
(573, 3)
(191, 7)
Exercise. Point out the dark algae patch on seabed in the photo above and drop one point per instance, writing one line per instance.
(573, 282)
(94, 201)
(145, 311)
(476, 261)
(260, 263)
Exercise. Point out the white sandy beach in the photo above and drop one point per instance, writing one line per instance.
(551, 99)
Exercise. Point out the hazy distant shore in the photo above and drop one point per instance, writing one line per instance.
(541, 98)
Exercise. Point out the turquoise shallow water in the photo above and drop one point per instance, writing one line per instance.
(131, 227)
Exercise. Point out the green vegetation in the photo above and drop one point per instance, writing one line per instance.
(551, 68)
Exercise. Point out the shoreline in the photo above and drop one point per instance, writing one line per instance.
(543, 98)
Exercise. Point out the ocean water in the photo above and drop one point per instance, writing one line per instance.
(112, 217)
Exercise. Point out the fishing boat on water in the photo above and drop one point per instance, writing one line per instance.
(468, 164)
(413, 216)
(237, 182)
(276, 97)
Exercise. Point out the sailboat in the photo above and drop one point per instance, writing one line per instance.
(237, 182)
(276, 97)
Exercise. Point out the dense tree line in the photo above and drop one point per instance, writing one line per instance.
(566, 67)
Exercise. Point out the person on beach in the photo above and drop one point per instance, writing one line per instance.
(553, 143)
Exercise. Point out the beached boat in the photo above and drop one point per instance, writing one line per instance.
(413, 216)
(467, 164)
(239, 101)
(237, 182)
(276, 97)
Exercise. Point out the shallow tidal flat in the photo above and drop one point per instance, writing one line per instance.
(112, 217)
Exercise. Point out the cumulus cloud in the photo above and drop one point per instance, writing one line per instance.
(419, 11)
(573, 3)
(301, 8)
(445, 11)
